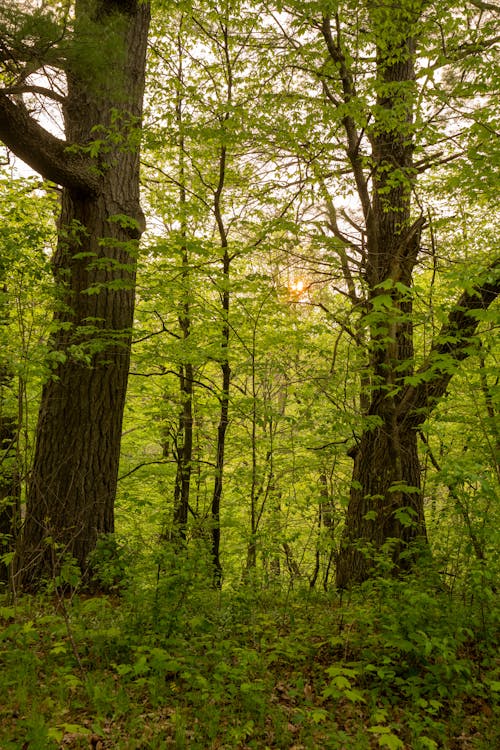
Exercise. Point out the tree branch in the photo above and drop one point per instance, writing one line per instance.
(452, 343)
(349, 93)
(42, 151)
(31, 89)
(481, 5)
(141, 466)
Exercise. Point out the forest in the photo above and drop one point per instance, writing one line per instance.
(249, 374)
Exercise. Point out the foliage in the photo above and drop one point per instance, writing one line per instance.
(255, 260)
(176, 663)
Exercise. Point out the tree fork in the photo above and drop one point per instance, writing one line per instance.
(72, 487)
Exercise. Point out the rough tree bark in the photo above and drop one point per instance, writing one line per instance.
(385, 510)
(386, 474)
(386, 477)
(72, 486)
(385, 501)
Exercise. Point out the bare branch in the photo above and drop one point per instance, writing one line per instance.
(349, 93)
(482, 5)
(41, 90)
(145, 463)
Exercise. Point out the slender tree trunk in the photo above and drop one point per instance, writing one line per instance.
(223, 424)
(185, 450)
(225, 296)
(255, 490)
(184, 453)
(10, 486)
(225, 367)
(326, 524)
(72, 486)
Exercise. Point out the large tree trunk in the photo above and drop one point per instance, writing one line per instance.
(385, 506)
(386, 475)
(73, 479)
(385, 511)
(72, 486)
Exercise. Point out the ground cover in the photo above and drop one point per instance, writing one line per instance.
(395, 664)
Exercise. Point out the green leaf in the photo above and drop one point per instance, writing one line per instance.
(386, 737)
(382, 302)
(391, 741)
(356, 696)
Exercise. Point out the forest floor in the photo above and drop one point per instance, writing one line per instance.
(397, 664)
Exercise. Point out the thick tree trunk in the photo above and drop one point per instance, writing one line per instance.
(73, 480)
(385, 512)
(385, 506)
(385, 501)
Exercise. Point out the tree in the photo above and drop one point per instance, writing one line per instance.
(210, 205)
(9, 470)
(72, 486)
(26, 236)
(376, 73)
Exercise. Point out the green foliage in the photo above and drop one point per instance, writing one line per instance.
(397, 665)
(110, 563)
(249, 110)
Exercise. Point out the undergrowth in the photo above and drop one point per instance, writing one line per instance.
(168, 661)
